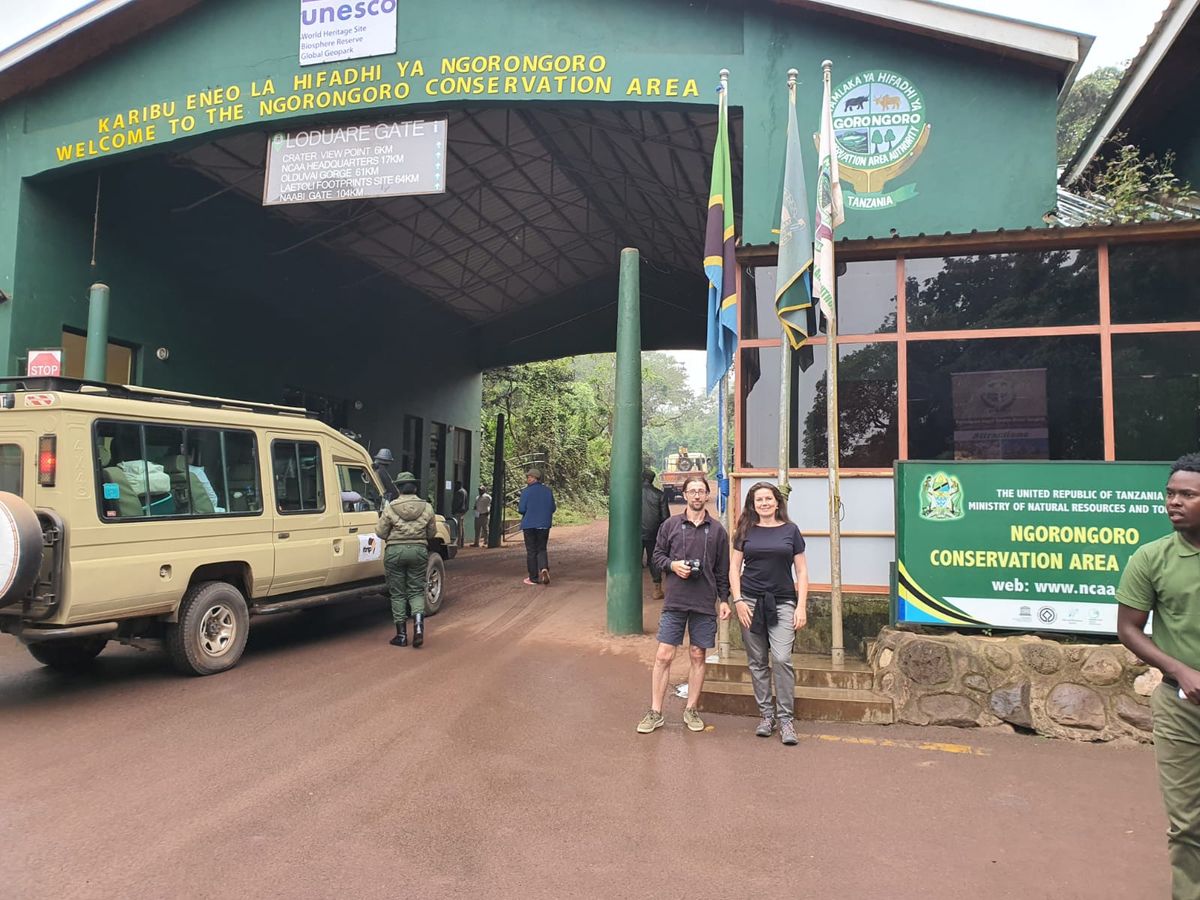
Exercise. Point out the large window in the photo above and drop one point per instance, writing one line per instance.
(147, 471)
(1156, 388)
(1002, 290)
(358, 488)
(1155, 282)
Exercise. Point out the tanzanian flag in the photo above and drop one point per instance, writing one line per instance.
(793, 285)
(719, 262)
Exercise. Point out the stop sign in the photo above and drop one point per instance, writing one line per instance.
(44, 363)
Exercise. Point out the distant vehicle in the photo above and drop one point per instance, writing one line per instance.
(677, 469)
(129, 514)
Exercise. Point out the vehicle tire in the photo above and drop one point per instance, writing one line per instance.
(68, 655)
(435, 584)
(212, 629)
(684, 465)
(20, 548)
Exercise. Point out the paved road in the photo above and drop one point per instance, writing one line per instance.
(501, 761)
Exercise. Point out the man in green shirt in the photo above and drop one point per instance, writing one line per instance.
(1163, 577)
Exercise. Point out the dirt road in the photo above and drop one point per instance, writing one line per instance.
(501, 761)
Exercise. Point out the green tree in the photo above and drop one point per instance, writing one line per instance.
(1087, 99)
(1133, 187)
(877, 138)
(890, 137)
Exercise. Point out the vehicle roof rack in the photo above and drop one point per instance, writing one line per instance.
(153, 395)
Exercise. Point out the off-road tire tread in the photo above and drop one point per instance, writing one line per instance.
(183, 652)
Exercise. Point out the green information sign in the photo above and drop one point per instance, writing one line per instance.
(1034, 546)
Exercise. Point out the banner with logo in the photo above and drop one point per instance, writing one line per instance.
(1033, 546)
(337, 30)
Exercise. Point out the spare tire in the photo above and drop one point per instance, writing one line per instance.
(684, 465)
(21, 548)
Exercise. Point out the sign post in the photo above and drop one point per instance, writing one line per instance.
(1034, 546)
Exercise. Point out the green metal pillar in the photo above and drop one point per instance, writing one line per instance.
(496, 522)
(95, 358)
(624, 581)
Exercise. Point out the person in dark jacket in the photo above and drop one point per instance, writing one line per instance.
(380, 464)
(536, 507)
(655, 511)
(693, 550)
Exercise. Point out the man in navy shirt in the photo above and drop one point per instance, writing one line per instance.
(537, 514)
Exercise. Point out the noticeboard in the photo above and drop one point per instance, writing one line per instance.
(1034, 546)
(353, 162)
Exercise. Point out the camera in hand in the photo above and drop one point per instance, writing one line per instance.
(693, 566)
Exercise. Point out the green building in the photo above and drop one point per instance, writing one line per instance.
(249, 180)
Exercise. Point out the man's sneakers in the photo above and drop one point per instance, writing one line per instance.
(692, 719)
(766, 727)
(651, 721)
(787, 732)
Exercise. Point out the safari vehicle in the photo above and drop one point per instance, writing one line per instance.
(677, 469)
(129, 514)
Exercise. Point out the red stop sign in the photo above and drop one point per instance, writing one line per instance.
(45, 364)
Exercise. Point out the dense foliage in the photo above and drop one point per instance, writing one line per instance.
(560, 411)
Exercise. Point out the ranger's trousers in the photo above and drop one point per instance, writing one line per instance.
(770, 659)
(1177, 747)
(404, 565)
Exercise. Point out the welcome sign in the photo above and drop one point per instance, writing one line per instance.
(334, 30)
(1037, 546)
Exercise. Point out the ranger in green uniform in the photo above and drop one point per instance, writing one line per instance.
(407, 525)
(1163, 577)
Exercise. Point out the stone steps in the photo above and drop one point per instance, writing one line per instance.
(823, 692)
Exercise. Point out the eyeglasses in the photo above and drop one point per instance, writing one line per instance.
(696, 492)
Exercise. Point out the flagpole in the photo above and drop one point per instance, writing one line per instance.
(723, 642)
(838, 654)
(785, 364)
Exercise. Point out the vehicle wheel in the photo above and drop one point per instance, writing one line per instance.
(69, 655)
(435, 584)
(212, 629)
(20, 548)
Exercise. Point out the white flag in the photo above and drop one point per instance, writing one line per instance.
(829, 212)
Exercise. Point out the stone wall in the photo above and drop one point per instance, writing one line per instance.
(1089, 692)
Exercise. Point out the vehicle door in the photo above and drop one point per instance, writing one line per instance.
(307, 523)
(357, 553)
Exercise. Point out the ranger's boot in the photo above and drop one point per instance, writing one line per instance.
(401, 638)
(418, 629)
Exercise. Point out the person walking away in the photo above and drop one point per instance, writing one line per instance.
(380, 464)
(655, 511)
(458, 509)
(483, 513)
(1163, 577)
(768, 578)
(407, 525)
(536, 507)
(693, 550)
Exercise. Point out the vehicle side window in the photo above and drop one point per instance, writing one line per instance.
(10, 468)
(168, 470)
(299, 485)
(359, 492)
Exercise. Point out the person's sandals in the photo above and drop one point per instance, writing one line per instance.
(787, 733)
(691, 718)
(650, 721)
(766, 727)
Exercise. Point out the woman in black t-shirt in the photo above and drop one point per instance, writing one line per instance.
(770, 604)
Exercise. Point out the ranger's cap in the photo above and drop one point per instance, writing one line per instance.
(405, 478)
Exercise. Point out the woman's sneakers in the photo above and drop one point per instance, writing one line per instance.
(787, 732)
(766, 727)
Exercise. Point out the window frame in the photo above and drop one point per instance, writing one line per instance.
(141, 425)
(320, 462)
